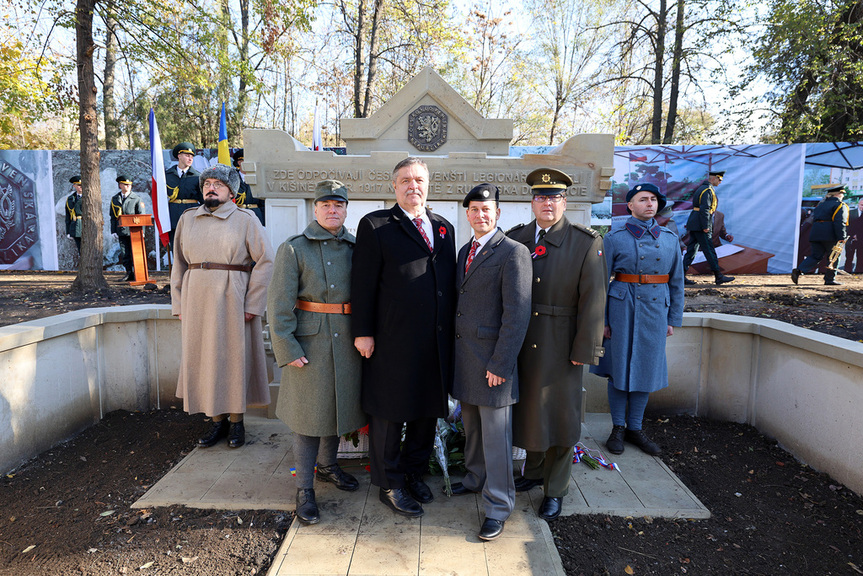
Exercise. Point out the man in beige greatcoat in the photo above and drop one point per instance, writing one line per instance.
(310, 328)
(223, 262)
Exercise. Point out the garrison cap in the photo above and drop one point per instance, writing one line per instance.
(181, 148)
(720, 173)
(331, 190)
(548, 181)
(835, 190)
(484, 192)
(237, 156)
(123, 180)
(653, 189)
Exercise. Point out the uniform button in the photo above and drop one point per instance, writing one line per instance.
(439, 293)
(332, 285)
(336, 335)
(536, 313)
(458, 336)
(657, 245)
(537, 279)
(461, 291)
(458, 313)
(328, 263)
(657, 258)
(325, 242)
(533, 345)
(642, 258)
(641, 245)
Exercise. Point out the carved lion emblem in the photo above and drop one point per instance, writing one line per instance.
(427, 128)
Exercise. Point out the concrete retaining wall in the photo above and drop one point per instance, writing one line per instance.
(59, 375)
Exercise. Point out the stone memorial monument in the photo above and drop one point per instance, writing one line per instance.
(426, 118)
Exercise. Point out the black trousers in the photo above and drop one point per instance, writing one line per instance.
(126, 252)
(819, 250)
(390, 458)
(699, 239)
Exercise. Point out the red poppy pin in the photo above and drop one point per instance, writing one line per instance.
(442, 231)
(540, 251)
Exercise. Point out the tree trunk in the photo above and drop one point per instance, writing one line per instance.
(659, 49)
(90, 277)
(373, 58)
(358, 59)
(677, 58)
(112, 130)
(243, 93)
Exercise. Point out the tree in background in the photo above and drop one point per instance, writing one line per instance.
(811, 55)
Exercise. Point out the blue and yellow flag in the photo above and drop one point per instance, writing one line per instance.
(224, 152)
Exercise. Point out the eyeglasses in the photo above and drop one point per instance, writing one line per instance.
(216, 185)
(542, 199)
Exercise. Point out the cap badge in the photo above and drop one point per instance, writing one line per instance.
(546, 178)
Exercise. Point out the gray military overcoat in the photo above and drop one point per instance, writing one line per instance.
(323, 397)
(567, 318)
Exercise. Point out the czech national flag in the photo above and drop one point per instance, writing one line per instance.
(158, 190)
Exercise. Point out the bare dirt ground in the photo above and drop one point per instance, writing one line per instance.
(771, 514)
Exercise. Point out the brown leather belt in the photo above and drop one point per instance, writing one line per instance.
(185, 201)
(323, 308)
(641, 278)
(216, 266)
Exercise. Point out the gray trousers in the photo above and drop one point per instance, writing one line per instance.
(311, 449)
(488, 457)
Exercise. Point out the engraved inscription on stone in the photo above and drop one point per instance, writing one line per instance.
(427, 128)
(17, 214)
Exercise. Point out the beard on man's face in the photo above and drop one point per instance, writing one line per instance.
(212, 202)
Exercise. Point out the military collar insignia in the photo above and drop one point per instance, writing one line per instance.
(638, 231)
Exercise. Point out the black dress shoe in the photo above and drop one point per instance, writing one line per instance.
(640, 439)
(458, 489)
(615, 440)
(418, 489)
(723, 279)
(795, 275)
(216, 433)
(491, 529)
(237, 435)
(401, 502)
(526, 484)
(550, 508)
(337, 476)
(307, 508)
(688, 282)
(832, 283)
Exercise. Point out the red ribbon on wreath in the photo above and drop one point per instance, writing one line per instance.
(540, 251)
(442, 231)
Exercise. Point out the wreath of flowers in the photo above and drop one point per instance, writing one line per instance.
(540, 251)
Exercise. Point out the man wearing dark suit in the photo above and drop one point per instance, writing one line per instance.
(183, 185)
(402, 313)
(492, 312)
(565, 332)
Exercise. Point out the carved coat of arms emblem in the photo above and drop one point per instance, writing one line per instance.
(18, 229)
(427, 128)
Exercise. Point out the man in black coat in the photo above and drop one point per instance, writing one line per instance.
(829, 230)
(701, 228)
(244, 198)
(125, 202)
(182, 182)
(74, 212)
(403, 301)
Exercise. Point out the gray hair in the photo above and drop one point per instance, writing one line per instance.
(409, 161)
(226, 174)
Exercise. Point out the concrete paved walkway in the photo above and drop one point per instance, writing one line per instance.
(359, 535)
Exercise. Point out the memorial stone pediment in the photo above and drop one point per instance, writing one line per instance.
(426, 118)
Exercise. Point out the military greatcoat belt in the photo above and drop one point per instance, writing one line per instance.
(641, 278)
(184, 201)
(323, 308)
(216, 266)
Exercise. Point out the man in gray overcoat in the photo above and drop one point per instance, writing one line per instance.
(492, 311)
(645, 302)
(309, 307)
(565, 332)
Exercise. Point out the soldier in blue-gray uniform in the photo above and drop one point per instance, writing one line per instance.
(244, 197)
(184, 187)
(644, 304)
(828, 234)
(700, 226)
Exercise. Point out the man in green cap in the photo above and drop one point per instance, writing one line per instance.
(827, 237)
(125, 202)
(319, 398)
(184, 189)
(73, 213)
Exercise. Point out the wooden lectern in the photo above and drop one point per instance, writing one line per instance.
(136, 223)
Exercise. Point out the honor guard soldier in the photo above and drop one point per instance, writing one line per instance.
(700, 226)
(564, 333)
(184, 190)
(244, 197)
(73, 213)
(828, 235)
(125, 202)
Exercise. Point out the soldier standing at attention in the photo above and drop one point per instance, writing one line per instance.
(645, 302)
(700, 226)
(564, 333)
(125, 202)
(244, 197)
(828, 231)
(73, 213)
(184, 189)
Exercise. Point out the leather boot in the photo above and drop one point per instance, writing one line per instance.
(615, 440)
(237, 435)
(307, 507)
(337, 476)
(722, 278)
(216, 433)
(640, 439)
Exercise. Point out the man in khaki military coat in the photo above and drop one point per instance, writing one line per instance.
(310, 328)
(565, 332)
(223, 262)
